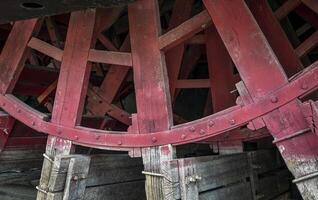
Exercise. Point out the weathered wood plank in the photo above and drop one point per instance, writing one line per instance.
(237, 191)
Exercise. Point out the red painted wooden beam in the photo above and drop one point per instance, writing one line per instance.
(286, 8)
(312, 4)
(184, 31)
(74, 73)
(275, 36)
(262, 74)
(309, 44)
(150, 75)
(181, 12)
(15, 53)
(151, 85)
(194, 131)
(221, 71)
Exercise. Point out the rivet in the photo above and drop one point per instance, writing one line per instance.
(183, 136)
(154, 139)
(33, 123)
(59, 132)
(76, 137)
(304, 86)
(3, 104)
(191, 129)
(202, 132)
(19, 110)
(211, 123)
(97, 137)
(119, 142)
(232, 121)
(274, 99)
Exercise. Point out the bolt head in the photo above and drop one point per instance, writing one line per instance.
(211, 123)
(192, 129)
(183, 136)
(274, 99)
(304, 86)
(202, 132)
(232, 121)
(154, 139)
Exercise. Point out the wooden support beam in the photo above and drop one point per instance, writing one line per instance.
(308, 15)
(184, 31)
(151, 86)
(312, 4)
(99, 56)
(181, 12)
(220, 71)
(110, 57)
(194, 83)
(109, 87)
(307, 45)
(106, 42)
(286, 8)
(262, 73)
(47, 92)
(15, 52)
(71, 88)
(74, 73)
(46, 48)
(275, 36)
(190, 59)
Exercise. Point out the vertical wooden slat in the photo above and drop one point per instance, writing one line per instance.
(15, 53)
(74, 73)
(181, 12)
(151, 85)
(220, 71)
(71, 88)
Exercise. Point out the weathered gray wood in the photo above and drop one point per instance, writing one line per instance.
(188, 180)
(120, 191)
(274, 185)
(76, 178)
(237, 191)
(260, 160)
(222, 170)
(111, 169)
(171, 184)
(58, 173)
(20, 165)
(17, 192)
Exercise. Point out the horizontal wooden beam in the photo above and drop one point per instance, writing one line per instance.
(110, 57)
(312, 4)
(99, 56)
(46, 48)
(184, 31)
(194, 83)
(286, 8)
(307, 45)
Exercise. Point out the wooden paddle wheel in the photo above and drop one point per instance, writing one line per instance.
(117, 78)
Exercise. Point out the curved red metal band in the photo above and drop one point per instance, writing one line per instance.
(194, 131)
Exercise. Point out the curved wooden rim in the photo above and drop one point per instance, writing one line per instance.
(194, 131)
